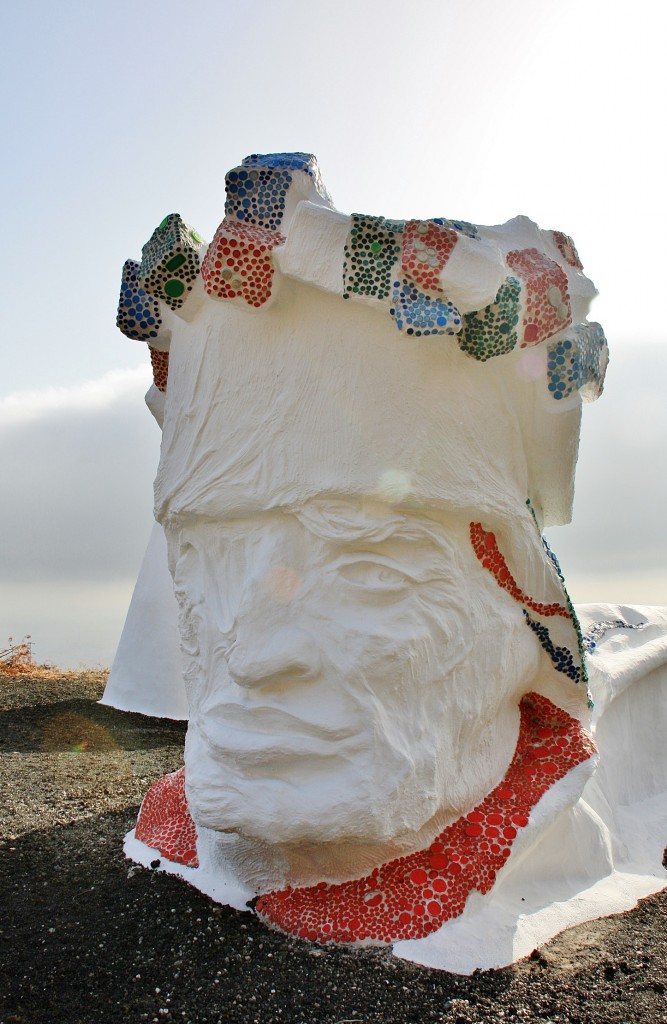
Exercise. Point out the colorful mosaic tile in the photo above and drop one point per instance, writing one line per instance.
(486, 548)
(164, 821)
(574, 618)
(160, 364)
(578, 362)
(138, 313)
(598, 629)
(238, 263)
(373, 247)
(567, 249)
(492, 331)
(546, 296)
(426, 248)
(462, 227)
(561, 657)
(305, 162)
(412, 896)
(421, 314)
(170, 261)
(257, 190)
(256, 195)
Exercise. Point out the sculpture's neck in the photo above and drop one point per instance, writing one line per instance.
(414, 895)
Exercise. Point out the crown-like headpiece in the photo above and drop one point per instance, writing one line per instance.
(520, 290)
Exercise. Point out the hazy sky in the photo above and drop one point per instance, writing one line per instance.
(119, 113)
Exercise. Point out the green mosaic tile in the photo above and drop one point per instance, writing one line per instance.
(373, 246)
(492, 331)
(170, 261)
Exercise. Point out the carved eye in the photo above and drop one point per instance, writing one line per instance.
(374, 576)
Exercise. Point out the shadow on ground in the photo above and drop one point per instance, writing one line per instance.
(85, 936)
(84, 942)
(66, 724)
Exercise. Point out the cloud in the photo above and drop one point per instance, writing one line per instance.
(78, 465)
(618, 535)
(86, 398)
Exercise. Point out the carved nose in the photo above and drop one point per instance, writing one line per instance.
(287, 654)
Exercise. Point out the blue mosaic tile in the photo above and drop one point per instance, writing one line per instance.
(583, 672)
(305, 162)
(578, 362)
(462, 226)
(561, 657)
(256, 195)
(138, 314)
(598, 629)
(257, 190)
(422, 315)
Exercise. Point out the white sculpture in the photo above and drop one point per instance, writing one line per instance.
(385, 677)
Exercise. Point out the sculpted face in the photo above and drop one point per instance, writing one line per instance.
(353, 673)
(353, 494)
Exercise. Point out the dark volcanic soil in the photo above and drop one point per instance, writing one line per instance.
(86, 937)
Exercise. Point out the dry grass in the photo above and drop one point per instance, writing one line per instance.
(94, 676)
(17, 660)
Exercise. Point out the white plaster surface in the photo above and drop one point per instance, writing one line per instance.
(147, 671)
(473, 273)
(222, 889)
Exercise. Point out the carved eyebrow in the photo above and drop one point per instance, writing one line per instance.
(420, 570)
(343, 526)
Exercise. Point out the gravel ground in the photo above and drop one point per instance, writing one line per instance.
(86, 937)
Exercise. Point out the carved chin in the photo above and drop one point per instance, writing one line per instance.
(319, 801)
